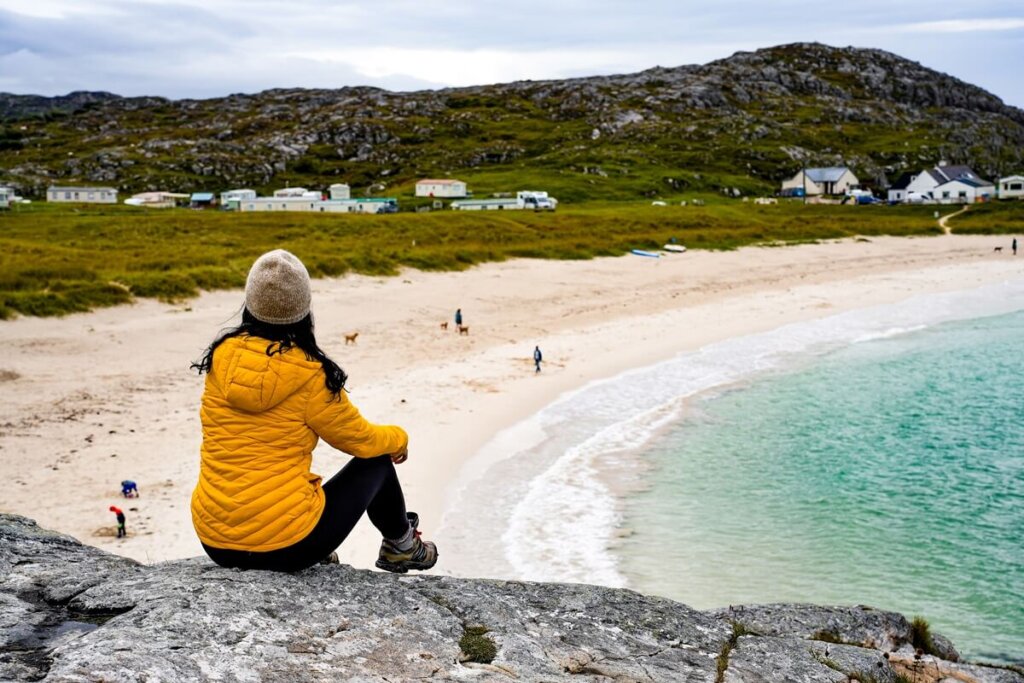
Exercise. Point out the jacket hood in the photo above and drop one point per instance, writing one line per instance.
(253, 381)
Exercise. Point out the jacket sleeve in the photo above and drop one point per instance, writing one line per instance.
(339, 423)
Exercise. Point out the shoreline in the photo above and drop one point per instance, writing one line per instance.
(105, 396)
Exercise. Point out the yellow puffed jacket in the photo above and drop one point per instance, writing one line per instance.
(262, 416)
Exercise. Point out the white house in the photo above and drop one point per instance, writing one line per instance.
(235, 196)
(156, 200)
(927, 183)
(963, 191)
(898, 191)
(339, 191)
(1011, 187)
(91, 195)
(432, 187)
(821, 181)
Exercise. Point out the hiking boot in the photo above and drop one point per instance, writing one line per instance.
(421, 555)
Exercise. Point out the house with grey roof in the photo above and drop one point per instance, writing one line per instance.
(945, 183)
(964, 191)
(821, 181)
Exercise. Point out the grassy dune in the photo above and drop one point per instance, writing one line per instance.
(61, 259)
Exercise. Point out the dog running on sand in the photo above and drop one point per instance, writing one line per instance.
(444, 325)
(998, 249)
(464, 329)
(351, 338)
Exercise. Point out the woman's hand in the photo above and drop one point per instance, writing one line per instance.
(400, 456)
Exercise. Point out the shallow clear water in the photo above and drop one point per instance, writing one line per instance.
(888, 472)
(872, 456)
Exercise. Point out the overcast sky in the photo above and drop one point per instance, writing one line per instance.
(207, 48)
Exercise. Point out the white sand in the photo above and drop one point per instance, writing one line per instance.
(106, 396)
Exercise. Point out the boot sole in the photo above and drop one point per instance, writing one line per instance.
(402, 567)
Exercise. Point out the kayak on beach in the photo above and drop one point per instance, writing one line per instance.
(677, 248)
(641, 252)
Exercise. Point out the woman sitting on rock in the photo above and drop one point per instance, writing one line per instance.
(270, 395)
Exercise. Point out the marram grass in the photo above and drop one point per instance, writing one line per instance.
(62, 259)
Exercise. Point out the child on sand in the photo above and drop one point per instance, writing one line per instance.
(121, 533)
(270, 395)
(129, 489)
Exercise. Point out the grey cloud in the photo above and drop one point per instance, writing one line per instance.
(221, 46)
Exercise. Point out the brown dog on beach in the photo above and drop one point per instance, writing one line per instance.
(351, 338)
(444, 325)
(464, 329)
(998, 249)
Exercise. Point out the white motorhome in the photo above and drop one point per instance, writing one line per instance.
(524, 199)
(537, 200)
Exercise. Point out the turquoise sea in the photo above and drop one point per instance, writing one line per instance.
(888, 473)
(870, 457)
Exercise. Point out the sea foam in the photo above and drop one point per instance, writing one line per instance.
(537, 494)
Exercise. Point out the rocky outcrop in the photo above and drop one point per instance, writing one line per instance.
(758, 115)
(74, 613)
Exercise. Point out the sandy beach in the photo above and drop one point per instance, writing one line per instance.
(95, 398)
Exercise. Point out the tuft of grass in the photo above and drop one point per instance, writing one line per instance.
(476, 646)
(722, 662)
(921, 636)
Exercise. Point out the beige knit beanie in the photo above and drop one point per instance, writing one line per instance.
(277, 290)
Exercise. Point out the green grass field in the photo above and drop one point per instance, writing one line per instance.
(61, 259)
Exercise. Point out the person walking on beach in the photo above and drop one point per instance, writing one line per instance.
(458, 318)
(1014, 246)
(537, 358)
(270, 395)
(121, 533)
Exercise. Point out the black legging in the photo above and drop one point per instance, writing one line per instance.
(364, 485)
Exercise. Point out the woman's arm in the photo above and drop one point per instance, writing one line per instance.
(339, 423)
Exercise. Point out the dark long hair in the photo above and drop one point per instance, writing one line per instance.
(280, 338)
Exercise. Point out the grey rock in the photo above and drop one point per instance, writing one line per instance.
(69, 612)
(800, 661)
(862, 626)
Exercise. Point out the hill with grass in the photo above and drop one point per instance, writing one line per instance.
(737, 125)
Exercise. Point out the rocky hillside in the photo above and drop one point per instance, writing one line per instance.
(744, 122)
(74, 613)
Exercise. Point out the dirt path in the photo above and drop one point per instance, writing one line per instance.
(943, 222)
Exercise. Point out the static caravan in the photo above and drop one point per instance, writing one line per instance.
(229, 200)
(5, 197)
(372, 205)
(339, 191)
(300, 192)
(446, 188)
(88, 195)
(487, 204)
(156, 200)
(1011, 187)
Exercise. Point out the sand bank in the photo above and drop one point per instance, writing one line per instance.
(95, 398)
